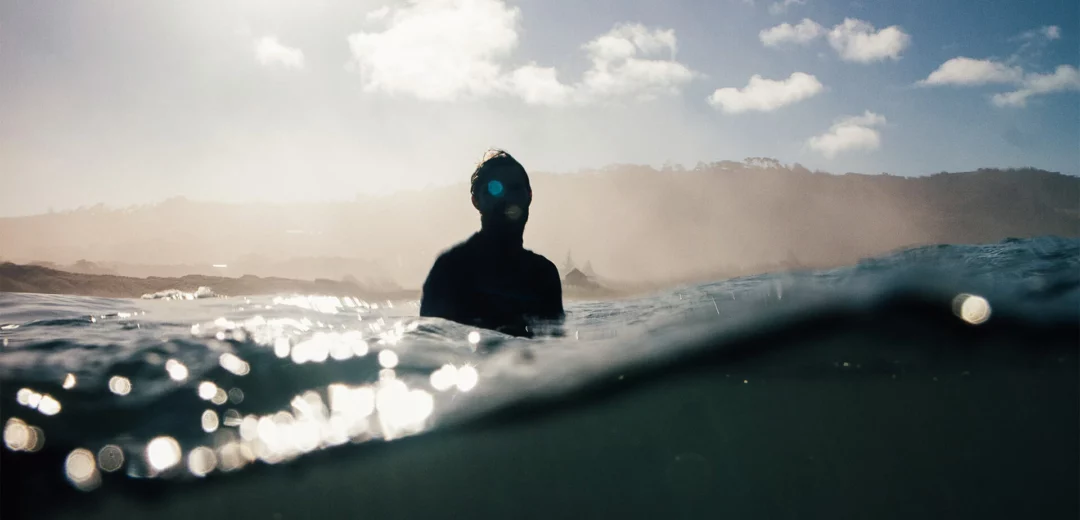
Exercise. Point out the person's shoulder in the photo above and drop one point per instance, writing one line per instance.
(541, 263)
(456, 251)
(449, 265)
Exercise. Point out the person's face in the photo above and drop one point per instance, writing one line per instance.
(504, 196)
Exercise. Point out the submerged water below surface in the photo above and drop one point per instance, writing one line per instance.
(694, 393)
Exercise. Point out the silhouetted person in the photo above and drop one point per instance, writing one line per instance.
(490, 280)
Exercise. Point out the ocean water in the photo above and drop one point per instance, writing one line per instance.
(933, 382)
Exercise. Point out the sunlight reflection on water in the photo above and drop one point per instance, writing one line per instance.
(388, 407)
(389, 398)
(225, 383)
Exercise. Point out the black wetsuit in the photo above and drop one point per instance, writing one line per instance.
(488, 283)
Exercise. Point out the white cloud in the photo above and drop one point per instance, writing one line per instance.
(540, 86)
(802, 33)
(965, 71)
(1049, 32)
(378, 14)
(1064, 78)
(857, 41)
(271, 53)
(630, 61)
(445, 50)
(766, 95)
(627, 62)
(438, 50)
(854, 40)
(781, 6)
(1033, 43)
(848, 134)
(867, 118)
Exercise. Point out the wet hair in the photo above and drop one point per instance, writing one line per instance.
(494, 160)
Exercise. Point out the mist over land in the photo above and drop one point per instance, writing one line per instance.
(635, 225)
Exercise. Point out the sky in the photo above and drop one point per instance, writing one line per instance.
(130, 102)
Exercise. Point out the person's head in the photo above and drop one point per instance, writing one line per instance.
(501, 192)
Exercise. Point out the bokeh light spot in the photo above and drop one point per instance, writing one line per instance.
(282, 347)
(971, 308)
(388, 358)
(230, 457)
(110, 458)
(232, 418)
(163, 453)
(48, 405)
(201, 461)
(81, 469)
(467, 377)
(36, 439)
(234, 364)
(177, 371)
(23, 396)
(444, 378)
(249, 428)
(207, 390)
(210, 421)
(16, 434)
(119, 385)
(236, 395)
(220, 396)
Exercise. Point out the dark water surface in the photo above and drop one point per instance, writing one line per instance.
(936, 382)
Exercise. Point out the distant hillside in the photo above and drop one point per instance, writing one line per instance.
(38, 279)
(633, 223)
